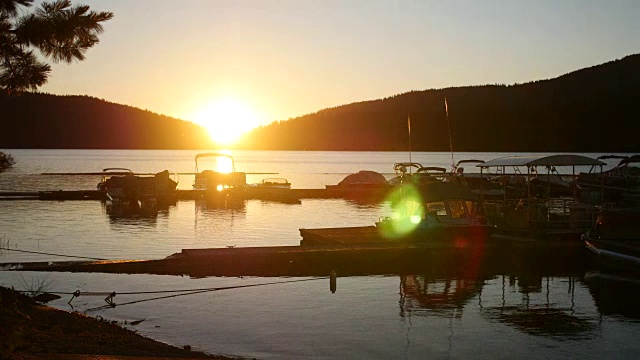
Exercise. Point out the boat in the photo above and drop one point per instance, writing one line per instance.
(108, 172)
(415, 173)
(614, 240)
(433, 215)
(122, 185)
(220, 182)
(273, 183)
(488, 187)
(436, 211)
(365, 186)
(618, 186)
(273, 189)
(531, 210)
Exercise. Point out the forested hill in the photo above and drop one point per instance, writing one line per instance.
(43, 121)
(590, 110)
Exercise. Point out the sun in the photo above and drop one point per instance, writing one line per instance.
(226, 120)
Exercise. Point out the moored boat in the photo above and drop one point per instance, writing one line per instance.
(122, 185)
(615, 240)
(436, 211)
(618, 186)
(535, 211)
(273, 189)
(272, 183)
(415, 173)
(220, 182)
(481, 185)
(365, 186)
(438, 214)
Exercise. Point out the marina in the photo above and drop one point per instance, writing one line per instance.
(254, 251)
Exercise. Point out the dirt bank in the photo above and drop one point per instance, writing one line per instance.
(29, 327)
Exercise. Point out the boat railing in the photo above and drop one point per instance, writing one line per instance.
(552, 214)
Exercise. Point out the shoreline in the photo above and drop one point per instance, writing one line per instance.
(33, 328)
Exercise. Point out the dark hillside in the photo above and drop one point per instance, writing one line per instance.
(81, 122)
(589, 110)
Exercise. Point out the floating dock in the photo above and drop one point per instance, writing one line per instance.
(279, 261)
(251, 193)
(346, 251)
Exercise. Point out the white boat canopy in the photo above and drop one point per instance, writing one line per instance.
(216, 155)
(547, 160)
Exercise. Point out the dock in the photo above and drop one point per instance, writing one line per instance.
(277, 261)
(251, 193)
(355, 251)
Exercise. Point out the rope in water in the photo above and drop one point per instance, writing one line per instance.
(44, 253)
(182, 292)
(190, 292)
(99, 293)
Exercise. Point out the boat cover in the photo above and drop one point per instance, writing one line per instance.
(364, 177)
(552, 160)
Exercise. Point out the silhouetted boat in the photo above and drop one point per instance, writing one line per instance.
(619, 186)
(124, 186)
(366, 186)
(363, 179)
(415, 173)
(221, 183)
(436, 211)
(538, 212)
(615, 240)
(273, 189)
(481, 185)
(272, 183)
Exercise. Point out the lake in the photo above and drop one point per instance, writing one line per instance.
(506, 311)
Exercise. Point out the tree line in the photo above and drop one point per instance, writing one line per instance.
(589, 110)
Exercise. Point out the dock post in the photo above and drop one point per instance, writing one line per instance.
(332, 281)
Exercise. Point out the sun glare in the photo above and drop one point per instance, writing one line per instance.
(226, 120)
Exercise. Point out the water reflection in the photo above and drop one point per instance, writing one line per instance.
(422, 295)
(134, 213)
(545, 307)
(536, 306)
(220, 203)
(614, 295)
(213, 218)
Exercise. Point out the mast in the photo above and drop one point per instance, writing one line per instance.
(409, 127)
(446, 109)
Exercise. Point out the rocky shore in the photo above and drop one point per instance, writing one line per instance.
(32, 328)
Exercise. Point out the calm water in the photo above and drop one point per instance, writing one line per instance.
(516, 311)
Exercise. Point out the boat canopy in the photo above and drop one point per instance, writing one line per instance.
(215, 154)
(552, 160)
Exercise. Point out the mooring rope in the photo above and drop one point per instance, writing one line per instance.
(44, 253)
(188, 292)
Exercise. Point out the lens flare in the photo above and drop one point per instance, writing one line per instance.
(408, 212)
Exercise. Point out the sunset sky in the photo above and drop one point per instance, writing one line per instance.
(278, 59)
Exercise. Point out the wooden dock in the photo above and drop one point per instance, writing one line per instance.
(251, 193)
(279, 261)
(59, 195)
(344, 236)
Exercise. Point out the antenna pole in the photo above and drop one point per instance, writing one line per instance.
(446, 109)
(409, 127)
